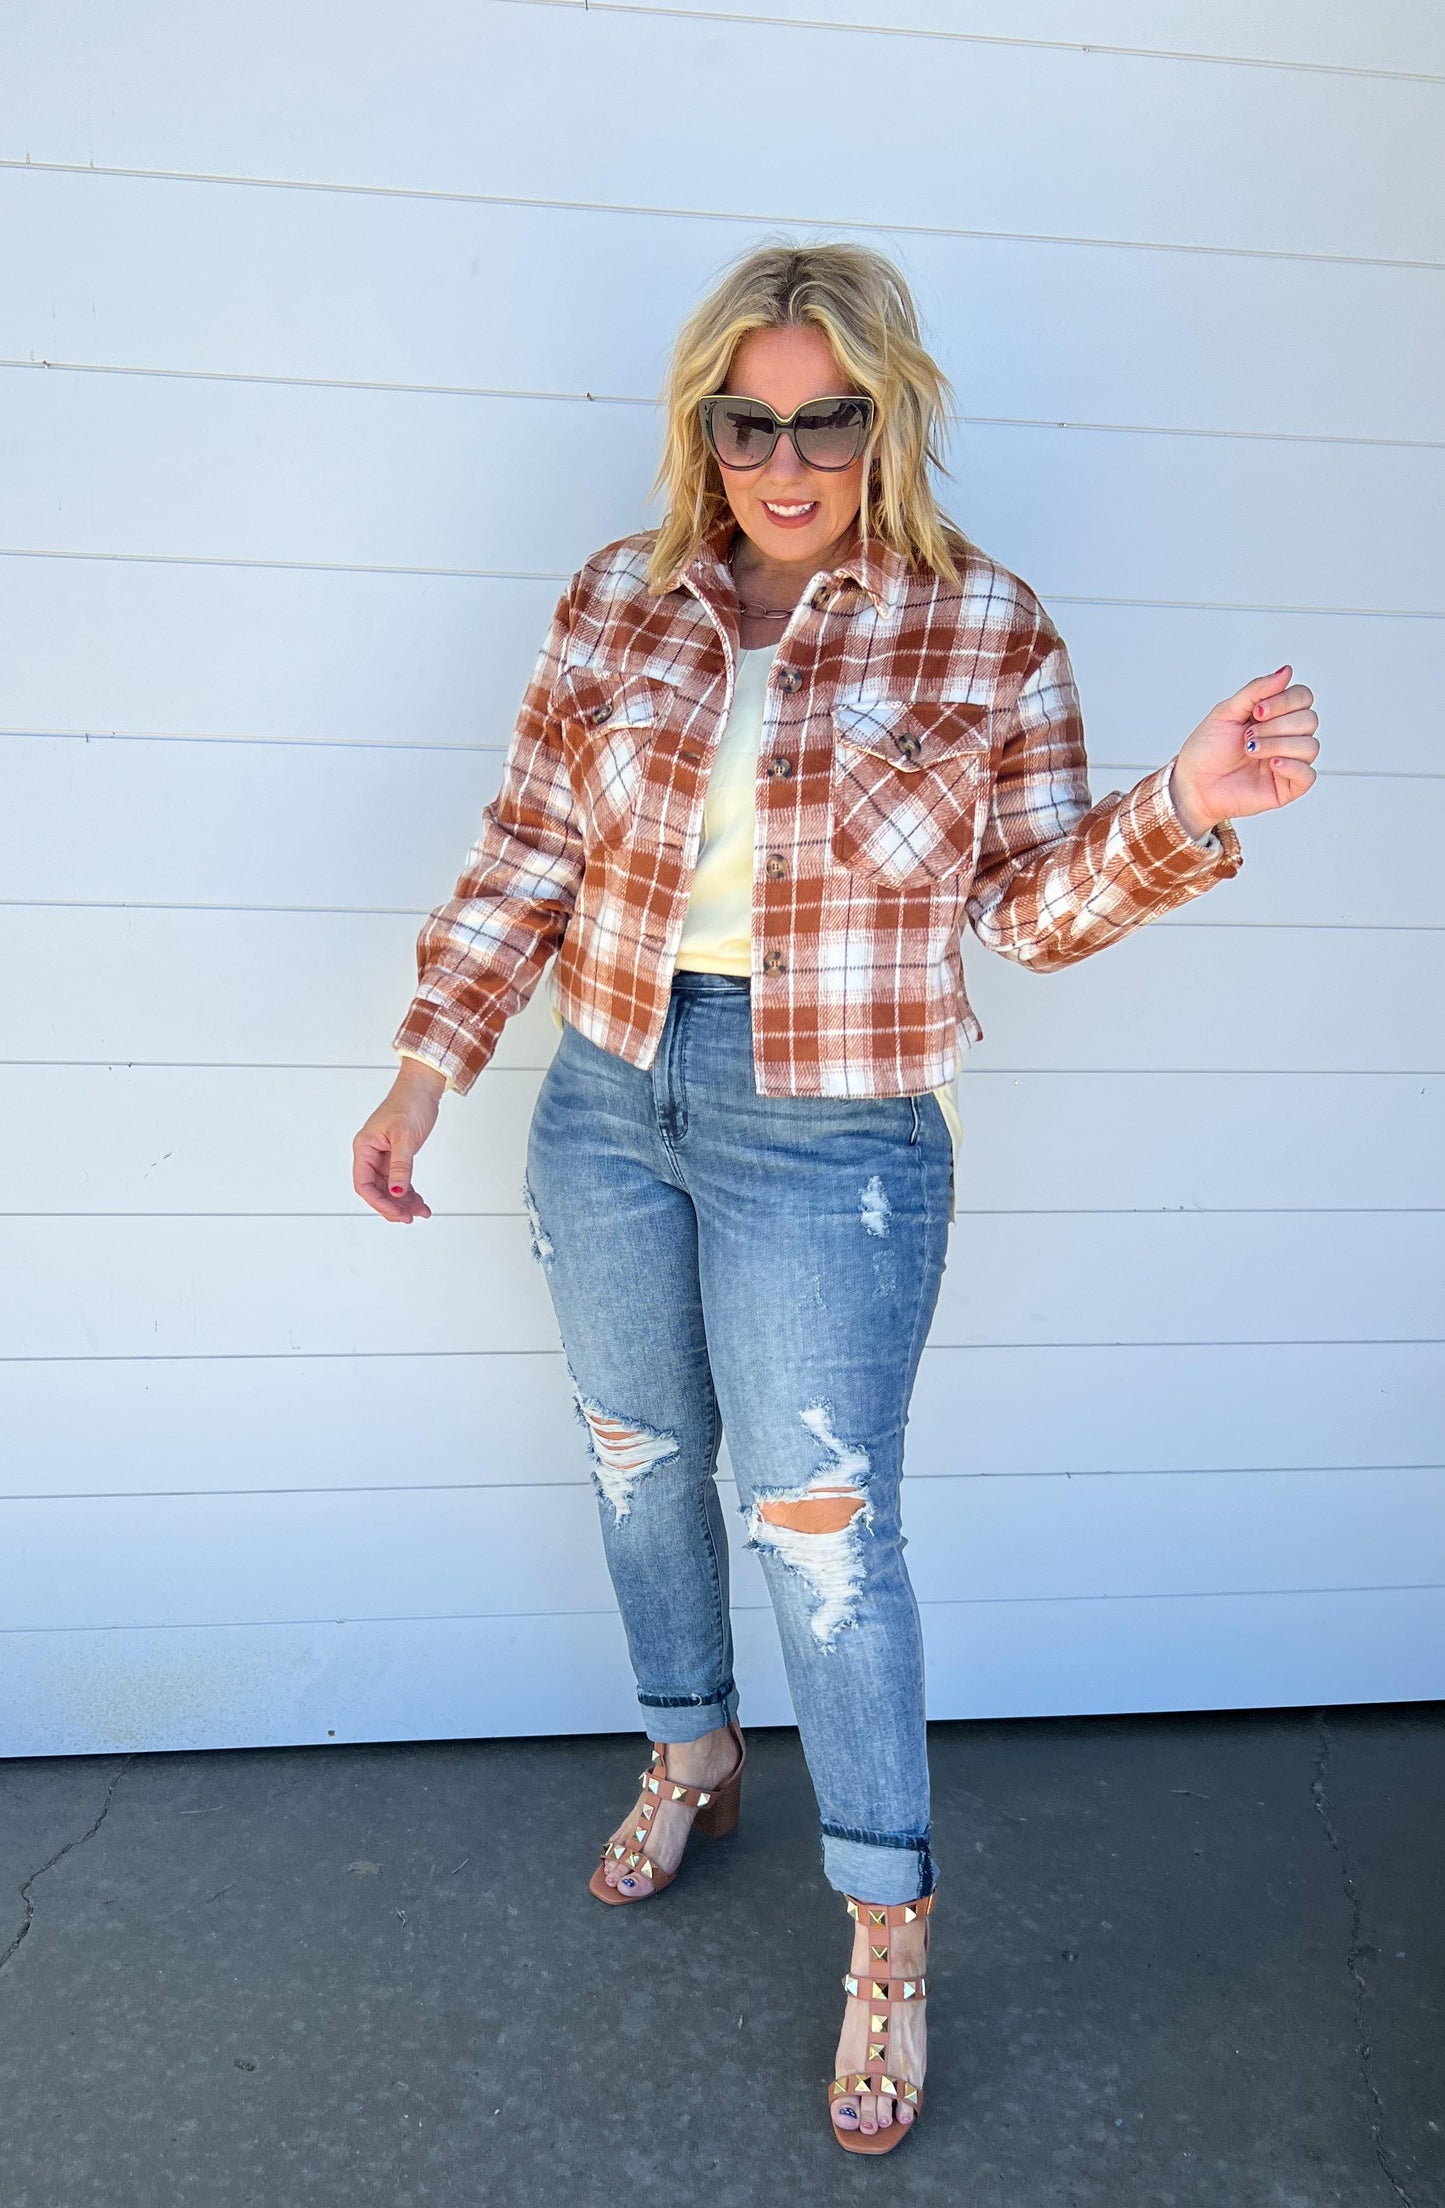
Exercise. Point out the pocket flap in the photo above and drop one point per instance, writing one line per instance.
(912, 732)
(605, 699)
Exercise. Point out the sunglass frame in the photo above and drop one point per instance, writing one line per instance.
(780, 423)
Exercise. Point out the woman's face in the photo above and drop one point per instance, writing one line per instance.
(791, 512)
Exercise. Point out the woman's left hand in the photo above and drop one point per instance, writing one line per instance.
(1249, 755)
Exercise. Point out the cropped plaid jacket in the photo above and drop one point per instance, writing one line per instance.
(922, 764)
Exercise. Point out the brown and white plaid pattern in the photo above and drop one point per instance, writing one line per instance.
(922, 764)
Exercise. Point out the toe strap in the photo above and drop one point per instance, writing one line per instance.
(876, 2081)
(632, 1859)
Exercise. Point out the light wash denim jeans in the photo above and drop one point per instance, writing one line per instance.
(768, 1265)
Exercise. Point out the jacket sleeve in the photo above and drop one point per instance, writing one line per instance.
(1057, 876)
(480, 955)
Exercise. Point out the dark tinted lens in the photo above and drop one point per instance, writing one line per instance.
(743, 432)
(832, 433)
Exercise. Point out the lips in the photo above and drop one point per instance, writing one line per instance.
(790, 514)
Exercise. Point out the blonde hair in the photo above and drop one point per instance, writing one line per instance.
(862, 304)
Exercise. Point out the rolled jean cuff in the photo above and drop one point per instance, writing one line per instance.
(881, 1871)
(666, 1719)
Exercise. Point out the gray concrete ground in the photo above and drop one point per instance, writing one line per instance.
(1177, 1960)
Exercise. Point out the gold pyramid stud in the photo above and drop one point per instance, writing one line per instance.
(880, 1992)
(852, 1908)
(641, 1833)
(909, 1989)
(886, 2085)
(646, 1868)
(617, 1851)
(652, 1786)
(880, 1954)
(877, 2023)
(876, 2054)
(861, 2085)
(851, 1984)
(678, 1792)
(909, 1915)
(840, 2085)
(910, 2092)
(878, 1916)
(703, 1800)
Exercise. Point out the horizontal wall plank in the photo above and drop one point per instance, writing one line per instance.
(270, 1559)
(1016, 138)
(254, 653)
(328, 989)
(267, 471)
(316, 657)
(182, 1140)
(1313, 999)
(227, 280)
(243, 1686)
(77, 1287)
(1395, 35)
(194, 1424)
(385, 828)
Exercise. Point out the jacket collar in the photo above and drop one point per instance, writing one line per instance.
(883, 573)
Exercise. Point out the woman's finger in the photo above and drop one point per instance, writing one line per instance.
(1242, 705)
(1291, 700)
(371, 1159)
(1273, 743)
(1302, 722)
(1291, 778)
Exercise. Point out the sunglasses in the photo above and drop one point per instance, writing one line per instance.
(826, 433)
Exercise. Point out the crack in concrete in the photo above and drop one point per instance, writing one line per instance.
(7, 1954)
(1358, 1949)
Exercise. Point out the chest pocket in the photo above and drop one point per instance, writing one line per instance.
(608, 720)
(909, 780)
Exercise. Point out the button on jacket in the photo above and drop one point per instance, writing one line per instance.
(922, 766)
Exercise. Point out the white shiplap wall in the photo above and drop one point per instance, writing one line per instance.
(329, 342)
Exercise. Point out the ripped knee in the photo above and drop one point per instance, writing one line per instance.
(817, 1532)
(825, 1510)
(621, 1450)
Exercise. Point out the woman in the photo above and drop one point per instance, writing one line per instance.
(773, 755)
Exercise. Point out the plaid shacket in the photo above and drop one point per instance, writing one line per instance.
(922, 764)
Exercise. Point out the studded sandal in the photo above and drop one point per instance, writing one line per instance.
(717, 1815)
(878, 2076)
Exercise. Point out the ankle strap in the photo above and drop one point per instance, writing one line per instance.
(655, 1779)
(668, 1790)
(891, 1913)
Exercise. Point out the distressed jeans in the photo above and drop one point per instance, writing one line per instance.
(768, 1266)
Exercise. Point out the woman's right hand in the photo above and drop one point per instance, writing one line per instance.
(383, 1150)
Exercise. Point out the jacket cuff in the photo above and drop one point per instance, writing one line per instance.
(430, 1034)
(1151, 825)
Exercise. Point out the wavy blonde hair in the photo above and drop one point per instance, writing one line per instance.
(863, 306)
